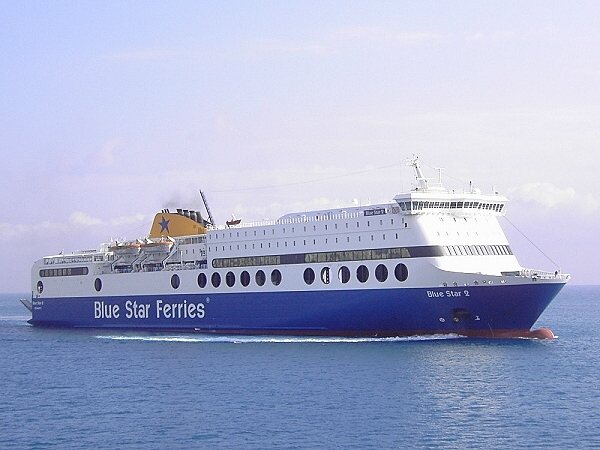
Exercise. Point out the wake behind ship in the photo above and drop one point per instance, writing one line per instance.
(430, 261)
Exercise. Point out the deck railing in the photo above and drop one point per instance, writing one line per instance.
(542, 274)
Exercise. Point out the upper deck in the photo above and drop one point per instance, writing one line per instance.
(430, 196)
(429, 227)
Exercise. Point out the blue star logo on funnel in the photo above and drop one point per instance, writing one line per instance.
(164, 225)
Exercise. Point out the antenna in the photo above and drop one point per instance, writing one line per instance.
(210, 217)
(421, 180)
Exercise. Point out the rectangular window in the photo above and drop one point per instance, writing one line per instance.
(72, 271)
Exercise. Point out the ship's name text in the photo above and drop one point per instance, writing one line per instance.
(448, 293)
(160, 310)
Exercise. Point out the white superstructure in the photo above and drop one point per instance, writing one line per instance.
(427, 237)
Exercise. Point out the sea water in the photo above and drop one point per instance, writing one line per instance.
(100, 389)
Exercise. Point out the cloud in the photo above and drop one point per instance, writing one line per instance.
(385, 35)
(146, 55)
(282, 46)
(509, 35)
(127, 220)
(77, 221)
(9, 231)
(550, 196)
(80, 218)
(342, 38)
(106, 155)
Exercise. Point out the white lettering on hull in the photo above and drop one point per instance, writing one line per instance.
(183, 310)
(135, 310)
(448, 293)
(105, 311)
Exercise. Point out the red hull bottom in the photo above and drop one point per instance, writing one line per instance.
(540, 333)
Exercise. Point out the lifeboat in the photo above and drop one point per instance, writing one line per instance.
(162, 245)
(125, 248)
(233, 221)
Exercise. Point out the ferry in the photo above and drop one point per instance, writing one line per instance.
(430, 261)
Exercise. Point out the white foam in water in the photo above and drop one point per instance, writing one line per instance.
(274, 339)
(15, 318)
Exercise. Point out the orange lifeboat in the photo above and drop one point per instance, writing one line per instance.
(125, 248)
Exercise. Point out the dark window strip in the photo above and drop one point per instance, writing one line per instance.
(336, 256)
(477, 250)
(63, 272)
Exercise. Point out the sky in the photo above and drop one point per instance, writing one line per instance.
(113, 110)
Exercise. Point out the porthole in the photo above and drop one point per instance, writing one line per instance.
(175, 281)
(260, 278)
(401, 272)
(215, 279)
(276, 277)
(325, 275)
(344, 274)
(40, 287)
(309, 275)
(230, 279)
(245, 278)
(202, 280)
(362, 273)
(381, 273)
(98, 284)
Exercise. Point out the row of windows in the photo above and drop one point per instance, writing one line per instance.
(362, 275)
(72, 259)
(468, 250)
(65, 272)
(193, 240)
(215, 280)
(421, 205)
(326, 227)
(304, 242)
(336, 256)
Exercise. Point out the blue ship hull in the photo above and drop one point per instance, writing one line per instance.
(487, 311)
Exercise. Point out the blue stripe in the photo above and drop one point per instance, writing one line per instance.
(380, 312)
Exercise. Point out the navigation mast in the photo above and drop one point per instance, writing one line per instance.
(210, 216)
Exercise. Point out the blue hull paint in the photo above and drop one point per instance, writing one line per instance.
(473, 310)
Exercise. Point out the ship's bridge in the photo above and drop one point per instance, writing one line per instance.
(450, 203)
(430, 196)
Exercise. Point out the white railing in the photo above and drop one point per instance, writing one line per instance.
(305, 219)
(68, 259)
(542, 274)
(270, 222)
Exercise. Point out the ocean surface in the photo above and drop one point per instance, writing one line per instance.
(99, 389)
